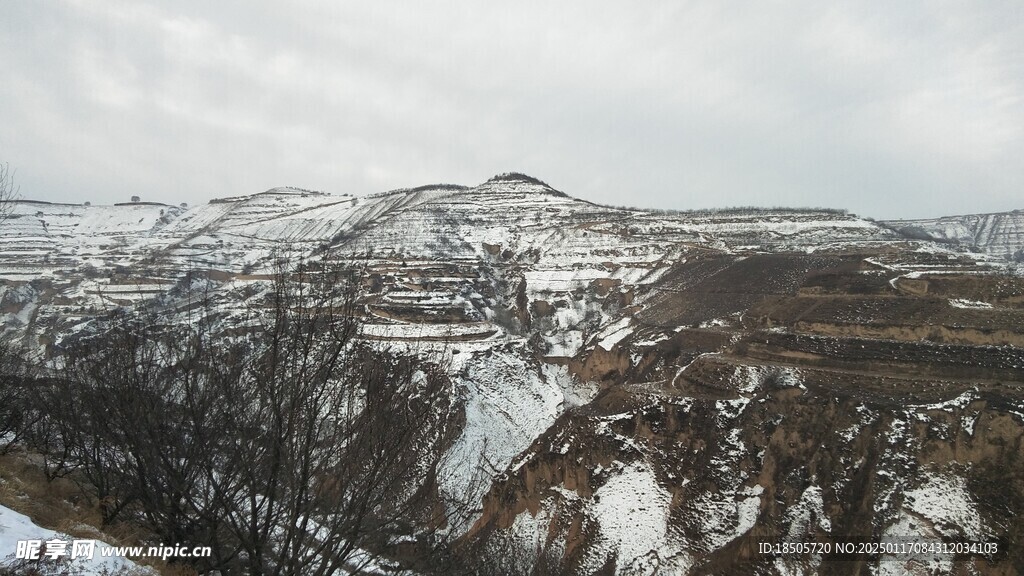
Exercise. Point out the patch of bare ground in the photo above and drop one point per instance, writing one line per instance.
(65, 506)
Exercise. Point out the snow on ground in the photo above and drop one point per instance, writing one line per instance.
(508, 402)
(732, 510)
(562, 280)
(958, 403)
(970, 304)
(896, 456)
(632, 510)
(561, 245)
(730, 409)
(807, 514)
(727, 515)
(939, 509)
(908, 528)
(15, 526)
(529, 532)
(419, 331)
(968, 421)
(713, 323)
(566, 343)
(945, 501)
(748, 379)
(574, 393)
(748, 508)
(614, 334)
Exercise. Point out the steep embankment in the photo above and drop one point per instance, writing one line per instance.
(783, 398)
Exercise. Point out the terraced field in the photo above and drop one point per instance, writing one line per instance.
(644, 392)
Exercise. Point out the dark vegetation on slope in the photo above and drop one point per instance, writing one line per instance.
(520, 177)
(738, 211)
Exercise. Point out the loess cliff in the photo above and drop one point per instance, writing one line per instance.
(640, 392)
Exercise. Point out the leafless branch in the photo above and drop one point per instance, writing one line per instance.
(8, 191)
(287, 445)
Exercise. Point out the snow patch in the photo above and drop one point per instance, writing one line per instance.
(960, 402)
(946, 502)
(614, 334)
(807, 514)
(970, 304)
(632, 510)
(15, 526)
(723, 517)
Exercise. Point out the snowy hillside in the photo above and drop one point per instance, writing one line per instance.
(671, 384)
(1000, 234)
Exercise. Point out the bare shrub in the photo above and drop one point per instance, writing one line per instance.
(283, 442)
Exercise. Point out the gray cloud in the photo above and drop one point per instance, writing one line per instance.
(891, 110)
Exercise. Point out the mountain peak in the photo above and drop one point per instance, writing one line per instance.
(519, 177)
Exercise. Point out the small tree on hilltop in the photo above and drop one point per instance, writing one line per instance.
(8, 191)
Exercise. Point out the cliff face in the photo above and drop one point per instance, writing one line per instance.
(640, 392)
(695, 481)
(831, 404)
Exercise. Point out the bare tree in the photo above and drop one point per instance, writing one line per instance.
(16, 415)
(283, 442)
(8, 191)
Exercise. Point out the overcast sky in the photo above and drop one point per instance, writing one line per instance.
(890, 109)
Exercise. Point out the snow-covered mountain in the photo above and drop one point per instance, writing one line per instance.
(998, 234)
(651, 392)
(92, 258)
